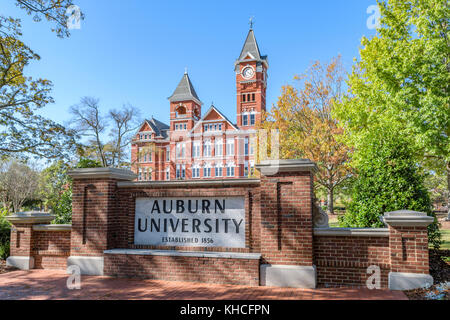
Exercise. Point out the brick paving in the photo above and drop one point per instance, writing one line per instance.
(51, 285)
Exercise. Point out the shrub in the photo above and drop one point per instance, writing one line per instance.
(388, 180)
(5, 232)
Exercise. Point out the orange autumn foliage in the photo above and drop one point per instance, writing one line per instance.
(306, 127)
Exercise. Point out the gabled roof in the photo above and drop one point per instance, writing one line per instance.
(185, 91)
(211, 109)
(159, 128)
(251, 48)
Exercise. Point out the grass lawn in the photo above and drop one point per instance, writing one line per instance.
(445, 239)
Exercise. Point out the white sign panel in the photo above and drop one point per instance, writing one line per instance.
(192, 222)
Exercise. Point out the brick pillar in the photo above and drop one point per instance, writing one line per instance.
(408, 245)
(287, 223)
(22, 241)
(93, 213)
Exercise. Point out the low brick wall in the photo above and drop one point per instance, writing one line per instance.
(194, 269)
(343, 260)
(51, 249)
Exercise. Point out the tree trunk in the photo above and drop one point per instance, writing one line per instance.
(330, 203)
(448, 191)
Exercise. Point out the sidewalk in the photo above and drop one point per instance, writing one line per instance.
(50, 284)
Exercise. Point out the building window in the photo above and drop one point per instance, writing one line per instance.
(168, 154)
(246, 170)
(181, 150)
(139, 174)
(230, 170)
(181, 171)
(245, 120)
(168, 174)
(230, 147)
(206, 171)
(218, 148)
(205, 127)
(246, 146)
(218, 170)
(196, 171)
(252, 119)
(220, 127)
(253, 97)
(207, 149)
(196, 149)
(243, 97)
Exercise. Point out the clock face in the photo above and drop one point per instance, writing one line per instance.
(248, 72)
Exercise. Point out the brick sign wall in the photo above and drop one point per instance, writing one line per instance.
(239, 231)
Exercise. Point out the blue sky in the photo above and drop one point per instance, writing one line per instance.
(135, 51)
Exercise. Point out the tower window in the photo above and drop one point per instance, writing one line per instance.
(243, 97)
(253, 97)
(252, 119)
(245, 120)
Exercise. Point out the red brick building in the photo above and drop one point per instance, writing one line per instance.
(209, 146)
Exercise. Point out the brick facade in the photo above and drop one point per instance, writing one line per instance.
(191, 143)
(209, 270)
(51, 249)
(279, 231)
(344, 260)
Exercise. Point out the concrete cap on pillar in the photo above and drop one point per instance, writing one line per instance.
(407, 218)
(102, 173)
(31, 217)
(272, 167)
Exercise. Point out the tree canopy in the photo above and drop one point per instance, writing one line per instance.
(401, 82)
(306, 127)
(22, 130)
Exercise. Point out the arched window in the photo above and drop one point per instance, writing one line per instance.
(196, 171)
(218, 170)
(230, 169)
(180, 111)
(207, 170)
(218, 147)
(207, 148)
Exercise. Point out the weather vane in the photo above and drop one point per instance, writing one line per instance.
(251, 22)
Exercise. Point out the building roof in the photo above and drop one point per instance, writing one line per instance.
(251, 47)
(159, 128)
(212, 108)
(185, 91)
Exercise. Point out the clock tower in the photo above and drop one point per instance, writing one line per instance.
(251, 83)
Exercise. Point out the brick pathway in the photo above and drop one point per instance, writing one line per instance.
(49, 284)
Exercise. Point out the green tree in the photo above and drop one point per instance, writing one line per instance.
(88, 163)
(388, 179)
(22, 129)
(401, 81)
(55, 191)
(56, 188)
(5, 232)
